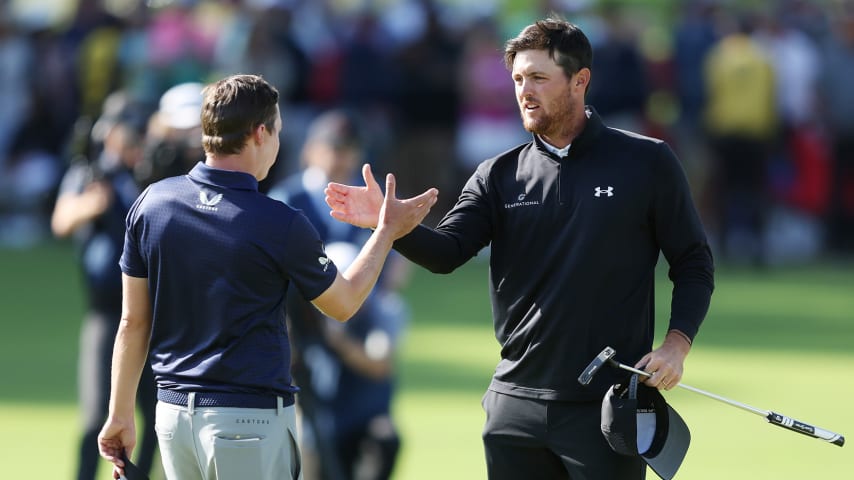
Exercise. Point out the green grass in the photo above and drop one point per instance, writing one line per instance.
(780, 339)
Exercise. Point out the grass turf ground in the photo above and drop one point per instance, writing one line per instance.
(780, 339)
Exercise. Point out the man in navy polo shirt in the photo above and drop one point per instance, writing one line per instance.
(206, 266)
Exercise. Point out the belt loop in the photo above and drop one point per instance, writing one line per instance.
(280, 405)
(191, 403)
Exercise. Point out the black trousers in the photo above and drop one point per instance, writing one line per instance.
(539, 439)
(97, 336)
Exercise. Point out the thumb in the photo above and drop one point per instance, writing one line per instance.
(390, 186)
(368, 176)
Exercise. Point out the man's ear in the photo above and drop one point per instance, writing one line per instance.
(259, 133)
(582, 78)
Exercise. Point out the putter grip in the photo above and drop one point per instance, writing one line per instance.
(804, 428)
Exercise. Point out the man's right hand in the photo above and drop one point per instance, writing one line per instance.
(399, 217)
(117, 437)
(393, 219)
(359, 206)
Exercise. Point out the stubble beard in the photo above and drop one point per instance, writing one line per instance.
(552, 124)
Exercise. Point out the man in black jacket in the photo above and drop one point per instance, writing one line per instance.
(576, 220)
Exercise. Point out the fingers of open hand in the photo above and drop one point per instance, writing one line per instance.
(333, 200)
(423, 203)
(355, 205)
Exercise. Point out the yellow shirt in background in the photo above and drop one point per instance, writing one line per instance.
(741, 89)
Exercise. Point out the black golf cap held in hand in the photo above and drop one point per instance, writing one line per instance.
(636, 420)
(132, 472)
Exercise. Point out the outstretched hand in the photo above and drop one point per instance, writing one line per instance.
(362, 206)
(399, 217)
(359, 206)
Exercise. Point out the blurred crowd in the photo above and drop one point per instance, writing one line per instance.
(756, 101)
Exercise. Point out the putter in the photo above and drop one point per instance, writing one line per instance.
(606, 357)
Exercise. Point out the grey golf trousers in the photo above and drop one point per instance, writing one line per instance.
(226, 443)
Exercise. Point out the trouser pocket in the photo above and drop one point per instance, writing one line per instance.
(238, 457)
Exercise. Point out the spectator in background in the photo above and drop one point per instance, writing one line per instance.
(41, 109)
(798, 174)
(695, 33)
(488, 118)
(345, 373)
(260, 39)
(370, 82)
(796, 63)
(180, 48)
(99, 38)
(837, 100)
(135, 74)
(368, 76)
(741, 120)
(16, 58)
(32, 169)
(332, 152)
(621, 88)
(173, 140)
(428, 106)
(809, 17)
(94, 198)
(346, 377)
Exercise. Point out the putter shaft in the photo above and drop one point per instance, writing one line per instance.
(772, 417)
(719, 398)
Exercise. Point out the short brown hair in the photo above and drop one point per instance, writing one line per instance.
(233, 107)
(566, 43)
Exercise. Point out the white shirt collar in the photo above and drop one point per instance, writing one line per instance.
(560, 152)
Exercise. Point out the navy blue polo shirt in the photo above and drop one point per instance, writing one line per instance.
(219, 257)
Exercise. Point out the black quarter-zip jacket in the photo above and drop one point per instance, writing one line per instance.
(574, 244)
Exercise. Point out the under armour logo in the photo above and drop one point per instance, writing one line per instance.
(210, 202)
(608, 191)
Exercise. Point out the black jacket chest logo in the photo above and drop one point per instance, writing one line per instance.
(521, 201)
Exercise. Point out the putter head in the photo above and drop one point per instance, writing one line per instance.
(603, 358)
